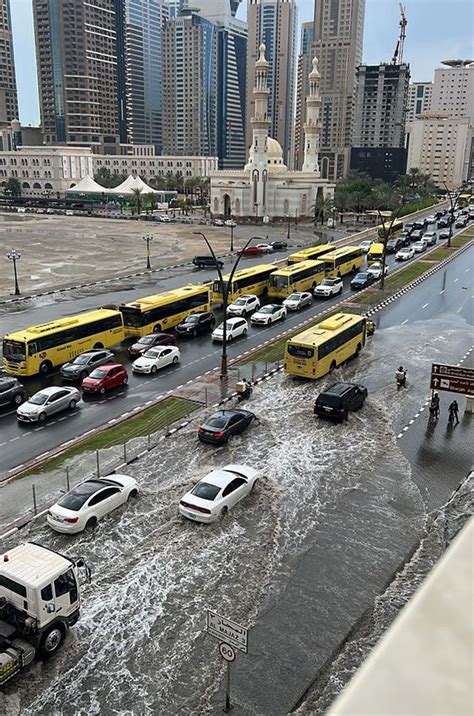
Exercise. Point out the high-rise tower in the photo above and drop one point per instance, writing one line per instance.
(8, 92)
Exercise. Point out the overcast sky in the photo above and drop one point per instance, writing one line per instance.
(437, 30)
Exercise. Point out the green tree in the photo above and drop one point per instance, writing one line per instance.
(12, 187)
(136, 201)
(103, 176)
(323, 208)
(158, 183)
(149, 201)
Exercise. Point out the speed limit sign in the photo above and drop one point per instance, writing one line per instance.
(226, 651)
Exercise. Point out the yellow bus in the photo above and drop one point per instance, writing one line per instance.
(254, 279)
(321, 348)
(347, 259)
(161, 311)
(464, 200)
(397, 227)
(311, 254)
(375, 253)
(40, 348)
(303, 276)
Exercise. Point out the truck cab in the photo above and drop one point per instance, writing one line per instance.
(39, 602)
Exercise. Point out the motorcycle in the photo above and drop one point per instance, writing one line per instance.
(401, 377)
(244, 390)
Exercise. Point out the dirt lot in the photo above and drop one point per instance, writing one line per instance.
(60, 251)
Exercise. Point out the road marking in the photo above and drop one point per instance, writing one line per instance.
(442, 291)
(13, 439)
(426, 304)
(403, 322)
(468, 269)
(456, 279)
(459, 309)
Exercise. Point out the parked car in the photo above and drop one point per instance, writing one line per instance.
(243, 305)
(268, 314)
(250, 251)
(266, 248)
(46, 402)
(230, 222)
(444, 234)
(363, 279)
(235, 327)
(12, 391)
(164, 218)
(87, 503)
(156, 358)
(207, 262)
(279, 245)
(416, 235)
(217, 493)
(196, 323)
(430, 238)
(336, 401)
(329, 287)
(150, 341)
(298, 300)
(218, 222)
(394, 244)
(419, 247)
(105, 378)
(376, 270)
(365, 245)
(404, 254)
(223, 424)
(83, 364)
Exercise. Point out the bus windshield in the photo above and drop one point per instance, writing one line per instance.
(14, 350)
(132, 316)
(279, 281)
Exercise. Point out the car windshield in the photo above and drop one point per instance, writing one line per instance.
(205, 491)
(191, 319)
(361, 276)
(39, 399)
(146, 341)
(295, 296)
(216, 421)
(98, 373)
(80, 360)
(153, 353)
(240, 302)
(266, 309)
(327, 282)
(75, 499)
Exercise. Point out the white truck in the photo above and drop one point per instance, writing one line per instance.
(39, 602)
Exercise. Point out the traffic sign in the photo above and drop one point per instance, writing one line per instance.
(452, 378)
(227, 651)
(227, 630)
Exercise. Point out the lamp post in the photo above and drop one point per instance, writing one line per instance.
(386, 235)
(225, 288)
(148, 240)
(232, 225)
(453, 204)
(289, 227)
(15, 256)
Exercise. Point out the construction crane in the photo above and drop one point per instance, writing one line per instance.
(398, 54)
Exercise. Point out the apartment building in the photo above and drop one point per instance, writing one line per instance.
(8, 91)
(419, 99)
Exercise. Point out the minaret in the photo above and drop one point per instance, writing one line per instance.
(260, 120)
(312, 125)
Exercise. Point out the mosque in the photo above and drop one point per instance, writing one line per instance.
(265, 189)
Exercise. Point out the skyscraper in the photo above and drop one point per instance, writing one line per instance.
(143, 22)
(274, 23)
(338, 35)
(76, 55)
(302, 87)
(8, 93)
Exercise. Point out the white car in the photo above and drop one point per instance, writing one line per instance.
(298, 300)
(46, 402)
(217, 493)
(404, 254)
(365, 245)
(266, 248)
(431, 219)
(376, 269)
(156, 358)
(164, 218)
(418, 247)
(268, 314)
(329, 287)
(84, 505)
(243, 305)
(235, 327)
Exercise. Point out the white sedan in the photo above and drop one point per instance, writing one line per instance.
(419, 247)
(217, 493)
(89, 501)
(235, 327)
(156, 358)
(243, 305)
(404, 254)
(269, 314)
(365, 245)
(329, 287)
(266, 248)
(376, 269)
(297, 301)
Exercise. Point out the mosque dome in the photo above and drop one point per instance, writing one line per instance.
(274, 154)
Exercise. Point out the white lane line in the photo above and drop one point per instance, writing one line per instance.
(442, 291)
(403, 322)
(13, 439)
(426, 304)
(456, 279)
(459, 309)
(405, 428)
(2, 444)
(468, 269)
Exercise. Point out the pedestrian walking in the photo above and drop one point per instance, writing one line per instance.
(453, 413)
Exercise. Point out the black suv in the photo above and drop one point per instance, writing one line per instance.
(196, 323)
(339, 399)
(11, 391)
(394, 244)
(279, 245)
(207, 262)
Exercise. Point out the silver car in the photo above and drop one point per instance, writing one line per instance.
(298, 300)
(47, 402)
(83, 364)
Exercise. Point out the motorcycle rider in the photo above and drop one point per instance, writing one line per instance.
(401, 377)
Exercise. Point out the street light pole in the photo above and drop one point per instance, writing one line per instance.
(148, 240)
(289, 227)
(15, 256)
(452, 210)
(232, 225)
(386, 236)
(225, 288)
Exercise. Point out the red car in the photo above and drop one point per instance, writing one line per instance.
(105, 377)
(251, 251)
(150, 341)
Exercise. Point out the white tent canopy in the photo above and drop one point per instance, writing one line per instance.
(87, 185)
(130, 184)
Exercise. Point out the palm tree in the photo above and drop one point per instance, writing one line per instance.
(323, 208)
(149, 201)
(137, 200)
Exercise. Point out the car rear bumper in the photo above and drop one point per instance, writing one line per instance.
(196, 516)
(211, 440)
(64, 527)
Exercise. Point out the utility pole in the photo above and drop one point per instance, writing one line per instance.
(15, 256)
(453, 204)
(148, 240)
(232, 225)
(289, 227)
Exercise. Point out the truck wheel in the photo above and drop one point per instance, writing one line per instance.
(52, 639)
